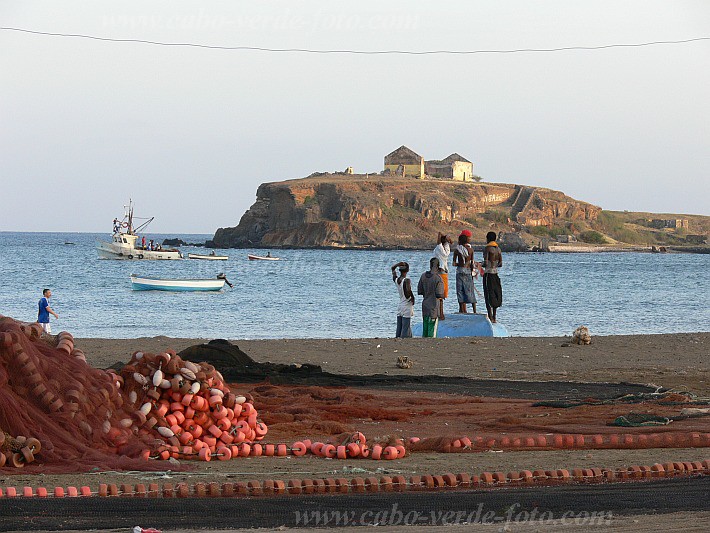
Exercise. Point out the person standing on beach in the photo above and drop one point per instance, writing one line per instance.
(441, 252)
(405, 309)
(492, 290)
(463, 261)
(432, 288)
(44, 311)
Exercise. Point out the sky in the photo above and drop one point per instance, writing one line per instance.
(190, 133)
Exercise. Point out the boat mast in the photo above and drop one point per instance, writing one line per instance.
(130, 216)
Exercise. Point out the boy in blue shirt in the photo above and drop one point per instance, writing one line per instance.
(45, 311)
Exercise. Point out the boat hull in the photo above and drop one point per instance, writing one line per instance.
(465, 325)
(208, 257)
(108, 250)
(176, 285)
(262, 258)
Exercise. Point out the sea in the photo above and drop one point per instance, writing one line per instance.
(339, 293)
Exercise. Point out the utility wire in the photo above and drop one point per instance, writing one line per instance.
(357, 52)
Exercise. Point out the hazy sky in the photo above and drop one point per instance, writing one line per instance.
(189, 134)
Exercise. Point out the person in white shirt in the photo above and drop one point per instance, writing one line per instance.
(442, 252)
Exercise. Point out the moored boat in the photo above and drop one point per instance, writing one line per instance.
(143, 283)
(263, 257)
(123, 242)
(208, 257)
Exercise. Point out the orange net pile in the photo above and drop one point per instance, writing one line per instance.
(75, 411)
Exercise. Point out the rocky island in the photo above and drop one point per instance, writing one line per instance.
(406, 204)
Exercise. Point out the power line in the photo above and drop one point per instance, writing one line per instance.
(357, 52)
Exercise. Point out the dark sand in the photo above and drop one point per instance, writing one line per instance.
(673, 361)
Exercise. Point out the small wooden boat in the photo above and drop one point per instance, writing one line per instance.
(208, 257)
(140, 283)
(262, 258)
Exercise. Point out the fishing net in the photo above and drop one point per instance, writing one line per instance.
(640, 420)
(303, 401)
(58, 414)
(49, 393)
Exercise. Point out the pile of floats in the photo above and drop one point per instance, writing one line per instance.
(199, 417)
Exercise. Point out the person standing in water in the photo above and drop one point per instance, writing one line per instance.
(492, 290)
(44, 311)
(442, 252)
(432, 289)
(405, 309)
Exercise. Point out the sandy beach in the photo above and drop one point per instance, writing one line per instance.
(668, 360)
(675, 361)
(672, 361)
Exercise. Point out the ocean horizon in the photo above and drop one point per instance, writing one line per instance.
(339, 293)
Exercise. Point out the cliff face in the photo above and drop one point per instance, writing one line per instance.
(358, 211)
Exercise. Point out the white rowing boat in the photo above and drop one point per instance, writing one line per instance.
(208, 257)
(141, 283)
(262, 258)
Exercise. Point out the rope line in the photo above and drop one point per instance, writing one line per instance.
(357, 52)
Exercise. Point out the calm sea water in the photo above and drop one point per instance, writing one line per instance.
(334, 293)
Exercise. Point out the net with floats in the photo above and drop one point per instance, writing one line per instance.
(59, 412)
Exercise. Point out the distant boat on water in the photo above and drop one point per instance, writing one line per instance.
(208, 257)
(142, 283)
(263, 257)
(123, 243)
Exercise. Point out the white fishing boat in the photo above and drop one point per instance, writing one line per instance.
(208, 257)
(142, 283)
(123, 242)
(262, 258)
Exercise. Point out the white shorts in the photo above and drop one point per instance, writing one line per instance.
(46, 327)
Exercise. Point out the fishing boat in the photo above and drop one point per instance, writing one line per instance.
(262, 258)
(123, 242)
(142, 283)
(208, 257)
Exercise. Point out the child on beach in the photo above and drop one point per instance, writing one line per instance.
(492, 290)
(44, 311)
(405, 309)
(432, 288)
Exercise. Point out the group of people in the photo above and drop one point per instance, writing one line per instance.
(433, 285)
(152, 246)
